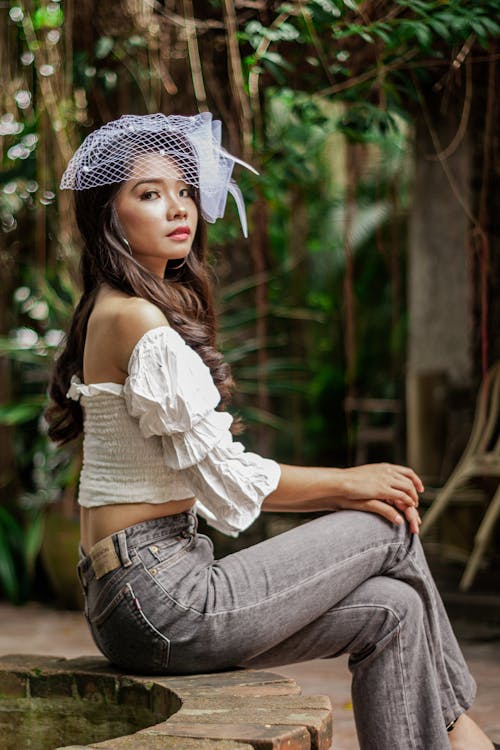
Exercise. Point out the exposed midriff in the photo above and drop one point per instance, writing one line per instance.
(98, 523)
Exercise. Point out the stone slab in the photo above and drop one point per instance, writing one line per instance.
(253, 703)
(152, 742)
(312, 712)
(260, 737)
(32, 661)
(247, 691)
(58, 684)
(13, 685)
(240, 677)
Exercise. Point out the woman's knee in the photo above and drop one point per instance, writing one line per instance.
(368, 526)
(389, 605)
(392, 602)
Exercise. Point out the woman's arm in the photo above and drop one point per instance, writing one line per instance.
(376, 488)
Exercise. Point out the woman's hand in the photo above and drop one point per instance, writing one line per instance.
(384, 509)
(388, 482)
(384, 489)
(387, 489)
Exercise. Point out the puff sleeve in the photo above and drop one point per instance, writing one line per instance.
(170, 391)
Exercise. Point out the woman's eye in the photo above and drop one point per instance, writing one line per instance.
(147, 195)
(187, 192)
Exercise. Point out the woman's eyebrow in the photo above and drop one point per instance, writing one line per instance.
(156, 180)
(148, 181)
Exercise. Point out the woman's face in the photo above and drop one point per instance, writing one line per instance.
(157, 213)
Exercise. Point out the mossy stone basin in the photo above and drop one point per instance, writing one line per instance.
(49, 703)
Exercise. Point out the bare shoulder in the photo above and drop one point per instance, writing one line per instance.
(138, 314)
(133, 318)
(116, 324)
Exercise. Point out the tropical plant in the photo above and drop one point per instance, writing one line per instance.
(20, 542)
(320, 96)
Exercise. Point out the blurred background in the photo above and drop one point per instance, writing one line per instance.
(362, 314)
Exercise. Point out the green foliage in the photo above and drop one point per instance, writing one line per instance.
(21, 411)
(410, 25)
(323, 72)
(20, 544)
(41, 310)
(49, 16)
(256, 32)
(324, 41)
(303, 155)
(366, 123)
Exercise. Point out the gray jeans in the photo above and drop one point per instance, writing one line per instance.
(348, 582)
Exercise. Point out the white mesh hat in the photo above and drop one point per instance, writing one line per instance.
(109, 154)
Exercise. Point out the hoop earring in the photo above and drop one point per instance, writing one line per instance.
(116, 225)
(126, 243)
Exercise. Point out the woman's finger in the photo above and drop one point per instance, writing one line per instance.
(404, 485)
(379, 507)
(393, 495)
(413, 518)
(401, 505)
(410, 513)
(387, 511)
(417, 482)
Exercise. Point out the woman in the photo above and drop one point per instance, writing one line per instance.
(141, 377)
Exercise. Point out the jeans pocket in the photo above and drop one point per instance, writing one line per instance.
(126, 637)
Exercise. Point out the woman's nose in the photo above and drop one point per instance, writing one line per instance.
(176, 208)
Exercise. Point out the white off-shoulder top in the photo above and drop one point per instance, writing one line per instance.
(158, 437)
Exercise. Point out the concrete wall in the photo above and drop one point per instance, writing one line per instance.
(439, 293)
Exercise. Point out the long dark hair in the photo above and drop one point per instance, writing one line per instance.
(184, 296)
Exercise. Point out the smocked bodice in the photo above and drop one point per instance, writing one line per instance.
(158, 437)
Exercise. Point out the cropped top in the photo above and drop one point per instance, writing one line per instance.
(158, 437)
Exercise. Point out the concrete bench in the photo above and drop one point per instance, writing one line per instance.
(84, 704)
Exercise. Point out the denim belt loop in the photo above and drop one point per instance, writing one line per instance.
(194, 522)
(123, 549)
(81, 577)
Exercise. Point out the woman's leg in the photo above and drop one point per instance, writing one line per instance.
(396, 688)
(408, 672)
(353, 578)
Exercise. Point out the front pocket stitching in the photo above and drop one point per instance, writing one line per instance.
(172, 560)
(165, 564)
(175, 556)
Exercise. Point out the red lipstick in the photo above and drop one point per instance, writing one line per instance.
(180, 233)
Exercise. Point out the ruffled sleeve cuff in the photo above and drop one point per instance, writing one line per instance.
(182, 450)
(231, 485)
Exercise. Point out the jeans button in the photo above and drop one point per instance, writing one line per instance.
(153, 571)
(154, 548)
